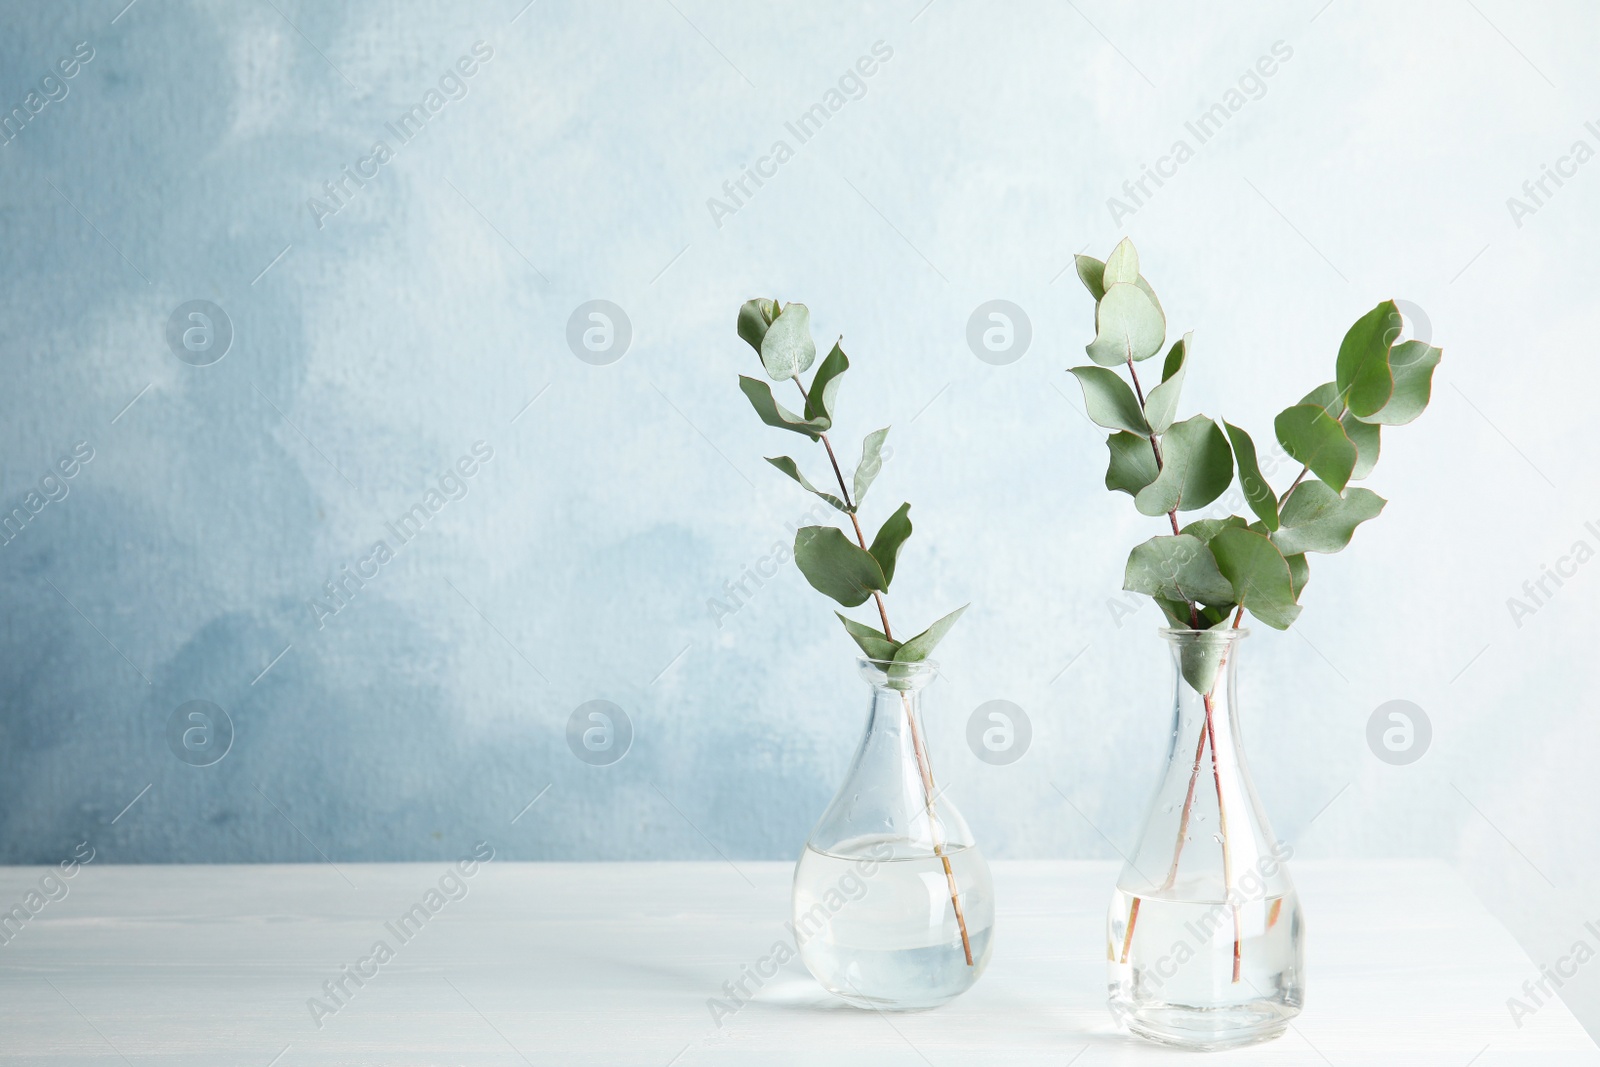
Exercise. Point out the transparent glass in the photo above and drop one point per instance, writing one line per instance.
(1205, 937)
(893, 902)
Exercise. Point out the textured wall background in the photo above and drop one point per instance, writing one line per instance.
(380, 334)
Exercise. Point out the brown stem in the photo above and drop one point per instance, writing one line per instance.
(1133, 917)
(923, 766)
(1222, 825)
(1183, 820)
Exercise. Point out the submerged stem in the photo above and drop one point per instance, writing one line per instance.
(1222, 827)
(924, 768)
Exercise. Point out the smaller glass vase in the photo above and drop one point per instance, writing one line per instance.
(893, 902)
(1205, 937)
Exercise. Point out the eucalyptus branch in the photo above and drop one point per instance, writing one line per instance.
(848, 573)
(1218, 567)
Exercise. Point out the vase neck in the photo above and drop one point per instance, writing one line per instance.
(884, 794)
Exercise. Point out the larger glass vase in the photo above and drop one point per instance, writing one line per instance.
(893, 902)
(1205, 937)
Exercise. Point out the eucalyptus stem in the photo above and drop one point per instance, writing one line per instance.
(924, 768)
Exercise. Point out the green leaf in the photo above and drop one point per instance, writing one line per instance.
(1109, 401)
(1151, 293)
(775, 414)
(1133, 464)
(1362, 371)
(1197, 467)
(885, 547)
(1206, 529)
(1317, 519)
(754, 318)
(1313, 437)
(1412, 364)
(1122, 265)
(921, 646)
(1364, 435)
(836, 566)
(1327, 397)
(825, 386)
(786, 348)
(1200, 657)
(1257, 493)
(873, 644)
(1261, 578)
(1091, 272)
(871, 462)
(788, 466)
(1161, 406)
(1176, 611)
(1176, 567)
(1299, 572)
(1128, 325)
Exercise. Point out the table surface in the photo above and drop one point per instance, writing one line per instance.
(561, 963)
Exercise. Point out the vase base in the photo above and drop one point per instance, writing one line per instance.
(1207, 1029)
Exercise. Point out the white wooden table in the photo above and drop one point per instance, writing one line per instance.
(614, 964)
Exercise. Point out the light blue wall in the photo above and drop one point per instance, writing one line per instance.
(425, 313)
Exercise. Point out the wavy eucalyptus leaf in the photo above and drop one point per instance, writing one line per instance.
(921, 646)
(1197, 467)
(836, 566)
(1091, 272)
(1362, 371)
(1176, 567)
(885, 547)
(1261, 578)
(1161, 406)
(1109, 400)
(1257, 492)
(825, 386)
(1128, 325)
(789, 467)
(1299, 572)
(1412, 364)
(1122, 265)
(1133, 464)
(873, 644)
(754, 318)
(786, 348)
(1317, 519)
(1313, 437)
(775, 414)
(871, 462)
(1367, 437)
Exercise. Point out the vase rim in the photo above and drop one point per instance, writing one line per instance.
(889, 671)
(1227, 633)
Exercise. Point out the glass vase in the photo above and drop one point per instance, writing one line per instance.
(1205, 937)
(893, 902)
